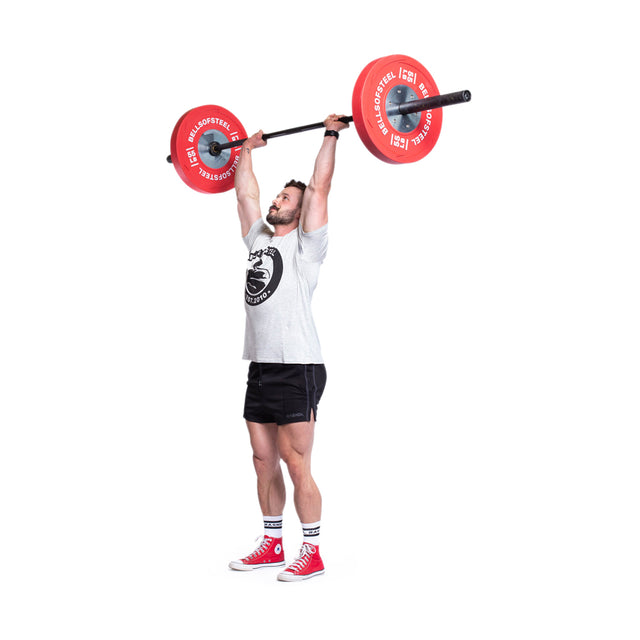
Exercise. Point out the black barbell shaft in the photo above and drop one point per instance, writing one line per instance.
(306, 127)
(216, 148)
(413, 106)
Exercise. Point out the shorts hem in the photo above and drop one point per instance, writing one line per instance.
(287, 420)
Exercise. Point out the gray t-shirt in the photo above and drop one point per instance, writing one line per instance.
(281, 277)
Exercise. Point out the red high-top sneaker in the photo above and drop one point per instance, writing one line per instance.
(268, 554)
(307, 565)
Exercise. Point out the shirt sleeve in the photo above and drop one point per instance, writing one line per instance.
(314, 245)
(257, 228)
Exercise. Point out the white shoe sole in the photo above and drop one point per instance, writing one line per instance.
(238, 565)
(291, 577)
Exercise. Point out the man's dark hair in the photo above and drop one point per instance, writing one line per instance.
(296, 183)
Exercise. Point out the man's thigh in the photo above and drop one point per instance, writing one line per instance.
(296, 439)
(264, 439)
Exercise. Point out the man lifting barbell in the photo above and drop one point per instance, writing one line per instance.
(397, 113)
(286, 375)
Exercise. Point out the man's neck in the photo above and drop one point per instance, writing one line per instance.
(280, 230)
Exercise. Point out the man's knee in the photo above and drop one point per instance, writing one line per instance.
(266, 462)
(298, 465)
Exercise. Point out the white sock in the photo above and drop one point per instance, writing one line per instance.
(311, 532)
(273, 526)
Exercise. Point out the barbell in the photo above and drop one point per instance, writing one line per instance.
(397, 112)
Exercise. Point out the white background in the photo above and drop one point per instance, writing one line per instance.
(477, 446)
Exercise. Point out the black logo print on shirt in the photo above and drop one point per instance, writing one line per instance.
(263, 275)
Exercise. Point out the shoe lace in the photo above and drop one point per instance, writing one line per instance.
(262, 547)
(306, 551)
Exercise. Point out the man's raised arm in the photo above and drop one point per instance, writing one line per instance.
(315, 212)
(246, 185)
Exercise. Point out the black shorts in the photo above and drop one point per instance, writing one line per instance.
(283, 393)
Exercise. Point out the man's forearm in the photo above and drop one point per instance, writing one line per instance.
(324, 165)
(246, 184)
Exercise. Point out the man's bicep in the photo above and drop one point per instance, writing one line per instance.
(248, 212)
(315, 210)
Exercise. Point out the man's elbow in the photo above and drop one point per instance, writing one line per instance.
(246, 196)
(319, 188)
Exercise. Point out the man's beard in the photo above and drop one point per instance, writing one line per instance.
(281, 216)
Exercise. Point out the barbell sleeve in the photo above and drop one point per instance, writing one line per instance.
(424, 104)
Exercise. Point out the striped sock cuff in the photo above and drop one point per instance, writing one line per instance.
(311, 532)
(273, 526)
